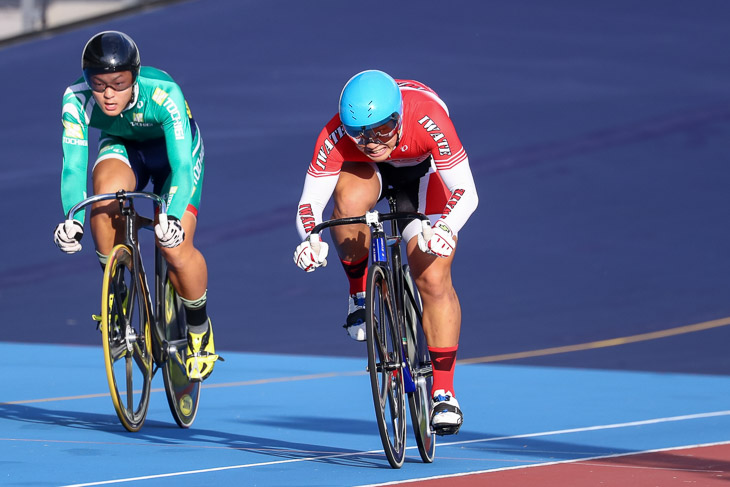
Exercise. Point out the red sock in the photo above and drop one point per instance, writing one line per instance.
(357, 273)
(443, 361)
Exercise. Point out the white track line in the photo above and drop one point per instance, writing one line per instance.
(577, 460)
(630, 424)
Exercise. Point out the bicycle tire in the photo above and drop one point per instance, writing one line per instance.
(183, 395)
(126, 338)
(419, 362)
(385, 364)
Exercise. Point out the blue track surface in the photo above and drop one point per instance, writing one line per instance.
(597, 134)
(285, 420)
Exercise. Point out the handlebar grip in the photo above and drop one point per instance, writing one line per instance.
(426, 229)
(163, 221)
(314, 242)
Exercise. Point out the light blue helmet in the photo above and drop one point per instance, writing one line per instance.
(368, 99)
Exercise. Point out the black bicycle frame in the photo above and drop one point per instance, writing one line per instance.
(392, 268)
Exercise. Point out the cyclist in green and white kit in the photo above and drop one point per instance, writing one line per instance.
(147, 133)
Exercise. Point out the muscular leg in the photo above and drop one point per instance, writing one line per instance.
(107, 228)
(187, 266)
(356, 193)
(442, 325)
(189, 275)
(441, 309)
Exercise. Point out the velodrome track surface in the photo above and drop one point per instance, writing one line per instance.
(598, 139)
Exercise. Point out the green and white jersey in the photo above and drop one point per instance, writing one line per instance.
(158, 109)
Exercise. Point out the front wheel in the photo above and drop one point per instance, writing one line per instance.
(126, 337)
(419, 401)
(385, 364)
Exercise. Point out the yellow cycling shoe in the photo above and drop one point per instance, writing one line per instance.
(201, 356)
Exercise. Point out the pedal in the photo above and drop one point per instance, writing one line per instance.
(206, 354)
(97, 318)
(196, 368)
(446, 430)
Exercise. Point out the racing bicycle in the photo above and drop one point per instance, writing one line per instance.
(142, 331)
(398, 360)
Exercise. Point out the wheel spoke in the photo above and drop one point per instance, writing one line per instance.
(141, 357)
(117, 350)
(130, 385)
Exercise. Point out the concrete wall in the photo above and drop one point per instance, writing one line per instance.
(19, 17)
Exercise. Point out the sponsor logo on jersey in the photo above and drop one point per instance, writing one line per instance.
(72, 130)
(328, 145)
(306, 215)
(455, 197)
(159, 96)
(409, 84)
(435, 132)
(72, 141)
(138, 120)
(168, 197)
(176, 118)
(197, 169)
(111, 148)
(163, 99)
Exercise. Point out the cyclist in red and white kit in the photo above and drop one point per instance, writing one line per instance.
(395, 133)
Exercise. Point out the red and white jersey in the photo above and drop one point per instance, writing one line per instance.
(427, 131)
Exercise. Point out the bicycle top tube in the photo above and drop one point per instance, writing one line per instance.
(124, 195)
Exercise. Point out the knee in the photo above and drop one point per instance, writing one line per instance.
(356, 190)
(351, 203)
(176, 256)
(435, 285)
(106, 184)
(111, 175)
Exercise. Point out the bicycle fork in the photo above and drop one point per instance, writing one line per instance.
(378, 250)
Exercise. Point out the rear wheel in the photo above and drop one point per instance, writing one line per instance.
(182, 395)
(385, 364)
(126, 338)
(419, 361)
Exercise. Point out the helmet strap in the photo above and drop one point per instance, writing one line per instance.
(135, 95)
(397, 141)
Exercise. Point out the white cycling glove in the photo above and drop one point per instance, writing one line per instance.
(308, 257)
(441, 243)
(68, 236)
(169, 231)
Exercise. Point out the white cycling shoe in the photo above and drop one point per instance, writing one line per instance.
(446, 417)
(355, 324)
